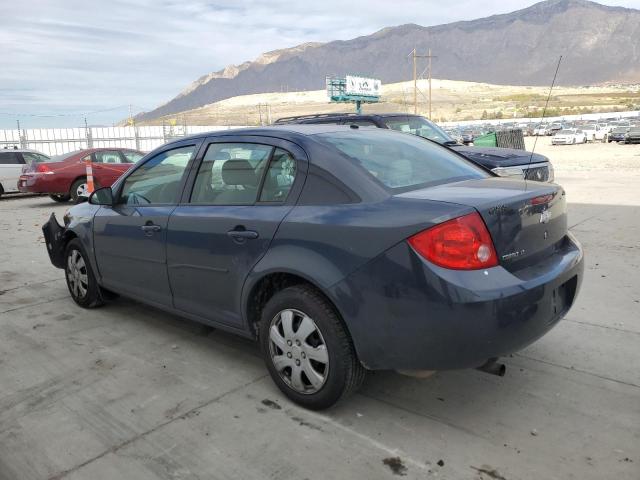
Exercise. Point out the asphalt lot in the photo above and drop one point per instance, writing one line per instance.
(129, 392)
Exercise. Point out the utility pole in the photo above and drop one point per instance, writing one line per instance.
(429, 56)
(415, 83)
(415, 79)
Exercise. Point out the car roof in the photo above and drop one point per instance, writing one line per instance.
(332, 116)
(284, 131)
(22, 150)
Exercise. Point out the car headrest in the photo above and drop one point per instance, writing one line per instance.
(239, 172)
(222, 156)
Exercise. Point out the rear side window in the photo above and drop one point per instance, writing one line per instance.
(230, 174)
(9, 158)
(279, 178)
(401, 161)
(132, 157)
(108, 156)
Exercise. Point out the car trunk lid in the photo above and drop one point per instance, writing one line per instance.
(525, 219)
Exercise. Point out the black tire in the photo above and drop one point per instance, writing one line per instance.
(345, 372)
(59, 197)
(92, 296)
(73, 191)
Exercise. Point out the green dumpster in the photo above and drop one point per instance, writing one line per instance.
(488, 140)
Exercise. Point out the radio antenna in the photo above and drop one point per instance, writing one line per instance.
(544, 111)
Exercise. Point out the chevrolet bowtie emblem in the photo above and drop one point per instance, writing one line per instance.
(545, 216)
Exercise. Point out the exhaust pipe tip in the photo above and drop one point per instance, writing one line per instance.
(493, 367)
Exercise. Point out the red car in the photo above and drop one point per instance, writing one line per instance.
(64, 177)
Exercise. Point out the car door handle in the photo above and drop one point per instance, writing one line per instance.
(240, 234)
(150, 228)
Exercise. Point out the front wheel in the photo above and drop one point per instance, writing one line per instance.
(81, 281)
(307, 349)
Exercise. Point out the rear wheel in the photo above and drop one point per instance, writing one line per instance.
(59, 197)
(307, 349)
(81, 281)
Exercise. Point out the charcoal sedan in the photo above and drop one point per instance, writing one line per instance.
(341, 249)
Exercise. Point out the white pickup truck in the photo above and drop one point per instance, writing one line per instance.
(596, 131)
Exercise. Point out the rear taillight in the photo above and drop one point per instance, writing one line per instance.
(463, 243)
(42, 168)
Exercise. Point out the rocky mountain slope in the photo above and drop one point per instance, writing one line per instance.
(599, 44)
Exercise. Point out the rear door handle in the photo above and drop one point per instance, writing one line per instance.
(240, 234)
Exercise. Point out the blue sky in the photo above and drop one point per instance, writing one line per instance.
(66, 58)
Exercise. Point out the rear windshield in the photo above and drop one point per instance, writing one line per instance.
(64, 156)
(418, 126)
(402, 162)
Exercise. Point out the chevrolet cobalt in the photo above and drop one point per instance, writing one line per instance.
(340, 249)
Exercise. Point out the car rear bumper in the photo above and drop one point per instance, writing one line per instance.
(40, 183)
(404, 313)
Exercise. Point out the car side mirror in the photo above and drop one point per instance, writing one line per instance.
(102, 196)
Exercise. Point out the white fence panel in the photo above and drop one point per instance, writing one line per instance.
(56, 141)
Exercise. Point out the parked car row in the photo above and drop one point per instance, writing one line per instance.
(594, 131)
(62, 177)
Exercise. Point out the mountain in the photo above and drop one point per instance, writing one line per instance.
(518, 48)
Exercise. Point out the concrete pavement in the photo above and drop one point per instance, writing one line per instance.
(129, 392)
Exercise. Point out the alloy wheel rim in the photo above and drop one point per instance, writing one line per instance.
(81, 190)
(77, 274)
(298, 351)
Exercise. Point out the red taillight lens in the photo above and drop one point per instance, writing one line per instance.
(42, 168)
(463, 243)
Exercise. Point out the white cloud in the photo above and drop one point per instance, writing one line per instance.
(69, 56)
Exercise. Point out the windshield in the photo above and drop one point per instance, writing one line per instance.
(419, 126)
(401, 161)
(566, 132)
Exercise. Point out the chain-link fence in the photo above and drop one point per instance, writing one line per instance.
(56, 141)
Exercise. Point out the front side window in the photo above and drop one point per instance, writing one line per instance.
(230, 174)
(158, 180)
(107, 156)
(401, 161)
(132, 157)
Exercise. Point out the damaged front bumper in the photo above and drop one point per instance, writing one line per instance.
(54, 234)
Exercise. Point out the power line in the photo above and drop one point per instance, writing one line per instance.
(79, 114)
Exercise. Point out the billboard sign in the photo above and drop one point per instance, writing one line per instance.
(363, 86)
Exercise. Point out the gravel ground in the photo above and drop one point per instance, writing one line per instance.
(127, 391)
